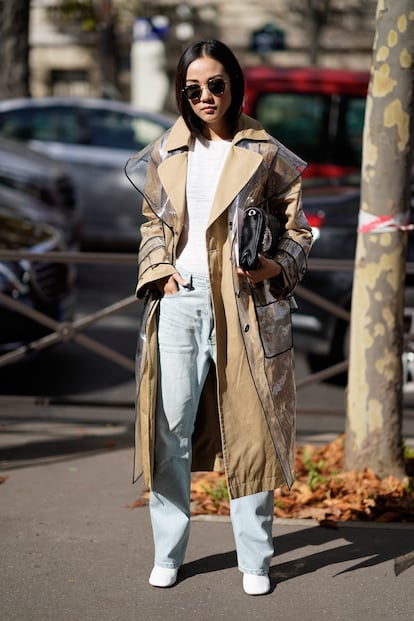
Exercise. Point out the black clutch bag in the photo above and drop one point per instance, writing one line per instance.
(260, 233)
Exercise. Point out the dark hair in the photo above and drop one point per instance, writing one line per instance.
(220, 52)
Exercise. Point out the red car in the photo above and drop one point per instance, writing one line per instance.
(316, 112)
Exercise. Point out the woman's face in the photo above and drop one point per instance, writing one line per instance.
(209, 107)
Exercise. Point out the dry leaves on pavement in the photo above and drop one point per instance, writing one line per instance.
(322, 491)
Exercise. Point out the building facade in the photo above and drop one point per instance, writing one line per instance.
(67, 60)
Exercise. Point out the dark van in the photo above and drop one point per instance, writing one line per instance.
(316, 112)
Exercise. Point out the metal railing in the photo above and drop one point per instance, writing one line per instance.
(62, 332)
(68, 330)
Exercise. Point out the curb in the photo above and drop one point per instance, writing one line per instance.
(312, 523)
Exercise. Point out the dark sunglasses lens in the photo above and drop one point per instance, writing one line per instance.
(193, 91)
(216, 86)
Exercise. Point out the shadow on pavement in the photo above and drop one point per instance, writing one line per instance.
(32, 443)
(362, 546)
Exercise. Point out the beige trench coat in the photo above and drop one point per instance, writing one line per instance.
(246, 418)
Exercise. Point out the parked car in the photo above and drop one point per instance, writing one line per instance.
(316, 112)
(94, 138)
(332, 210)
(44, 286)
(30, 207)
(40, 188)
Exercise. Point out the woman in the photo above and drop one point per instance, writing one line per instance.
(216, 386)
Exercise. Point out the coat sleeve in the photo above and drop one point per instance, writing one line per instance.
(156, 249)
(154, 262)
(295, 243)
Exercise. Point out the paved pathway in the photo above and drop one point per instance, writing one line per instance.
(71, 550)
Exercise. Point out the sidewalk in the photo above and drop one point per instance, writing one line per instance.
(71, 550)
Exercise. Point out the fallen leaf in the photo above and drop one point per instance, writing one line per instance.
(329, 496)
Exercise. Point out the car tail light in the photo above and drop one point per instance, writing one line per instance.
(316, 220)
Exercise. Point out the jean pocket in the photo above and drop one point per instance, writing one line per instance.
(177, 294)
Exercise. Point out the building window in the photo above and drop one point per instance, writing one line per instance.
(70, 83)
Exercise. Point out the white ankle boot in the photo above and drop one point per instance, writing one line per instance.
(256, 585)
(163, 576)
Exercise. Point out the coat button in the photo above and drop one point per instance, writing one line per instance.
(246, 327)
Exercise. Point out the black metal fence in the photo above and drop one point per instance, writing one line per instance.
(64, 331)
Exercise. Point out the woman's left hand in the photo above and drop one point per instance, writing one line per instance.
(268, 269)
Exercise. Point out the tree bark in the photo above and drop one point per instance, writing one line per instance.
(14, 48)
(374, 398)
(318, 17)
(107, 53)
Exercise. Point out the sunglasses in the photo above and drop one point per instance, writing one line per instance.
(216, 86)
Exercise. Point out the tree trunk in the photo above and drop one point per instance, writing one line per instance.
(105, 32)
(374, 399)
(317, 19)
(14, 48)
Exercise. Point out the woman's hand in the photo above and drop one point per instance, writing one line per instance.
(268, 269)
(169, 285)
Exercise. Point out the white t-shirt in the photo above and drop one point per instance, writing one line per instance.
(205, 162)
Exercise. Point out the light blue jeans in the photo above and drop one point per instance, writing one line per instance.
(186, 351)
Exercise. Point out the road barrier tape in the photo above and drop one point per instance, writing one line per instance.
(369, 223)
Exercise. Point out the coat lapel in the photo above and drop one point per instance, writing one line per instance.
(173, 170)
(173, 174)
(246, 163)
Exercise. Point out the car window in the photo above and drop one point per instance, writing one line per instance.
(296, 120)
(354, 124)
(318, 128)
(50, 124)
(81, 126)
(117, 130)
